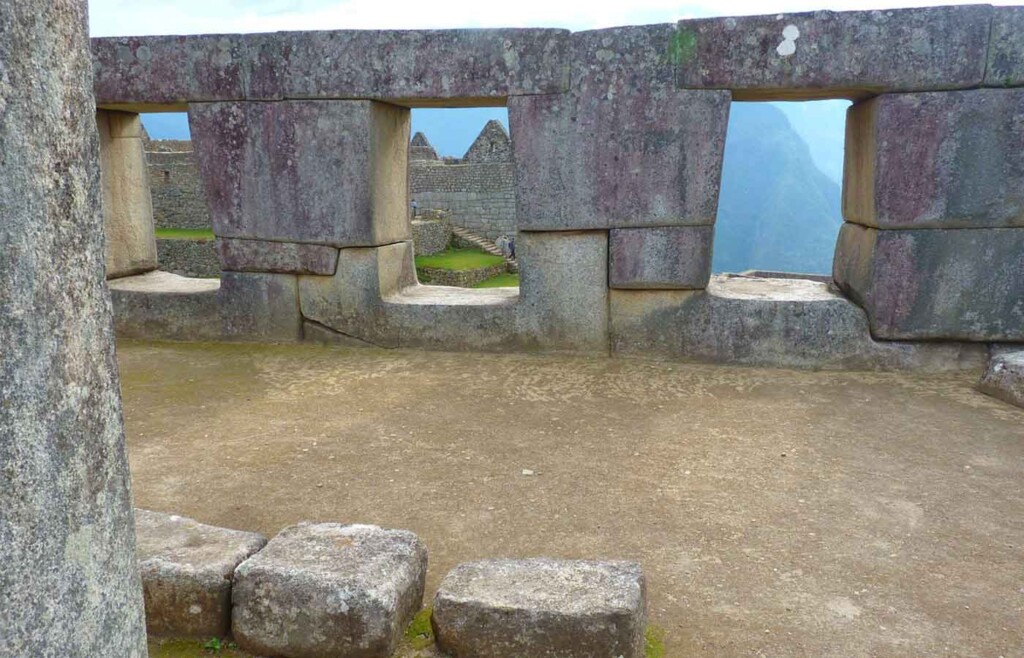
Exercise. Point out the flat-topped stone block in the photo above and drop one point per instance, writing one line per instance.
(476, 67)
(1006, 49)
(746, 320)
(322, 172)
(140, 72)
(665, 257)
(936, 160)
(186, 570)
(624, 148)
(164, 306)
(278, 257)
(541, 607)
(1004, 376)
(827, 54)
(329, 590)
(260, 307)
(963, 284)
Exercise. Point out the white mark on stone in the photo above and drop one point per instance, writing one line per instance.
(789, 36)
(194, 609)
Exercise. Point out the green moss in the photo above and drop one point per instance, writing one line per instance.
(500, 281)
(420, 634)
(654, 642)
(683, 47)
(184, 234)
(167, 648)
(459, 260)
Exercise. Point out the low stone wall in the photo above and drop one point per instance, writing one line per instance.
(194, 258)
(459, 278)
(479, 196)
(431, 236)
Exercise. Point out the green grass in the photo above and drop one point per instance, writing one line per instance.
(654, 643)
(459, 260)
(500, 281)
(171, 648)
(184, 234)
(420, 635)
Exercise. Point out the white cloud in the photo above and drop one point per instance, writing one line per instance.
(131, 17)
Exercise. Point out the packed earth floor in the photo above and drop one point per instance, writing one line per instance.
(776, 513)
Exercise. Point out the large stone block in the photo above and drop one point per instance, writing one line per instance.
(541, 607)
(834, 55)
(164, 306)
(1006, 49)
(322, 172)
(1004, 377)
(756, 321)
(963, 284)
(329, 591)
(68, 581)
(280, 257)
(624, 148)
(665, 257)
(474, 67)
(937, 160)
(127, 206)
(138, 73)
(260, 307)
(563, 284)
(186, 570)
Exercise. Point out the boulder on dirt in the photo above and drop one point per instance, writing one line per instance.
(329, 590)
(541, 607)
(1004, 377)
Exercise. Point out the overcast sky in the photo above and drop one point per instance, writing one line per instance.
(135, 17)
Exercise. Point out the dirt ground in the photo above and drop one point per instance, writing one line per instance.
(776, 513)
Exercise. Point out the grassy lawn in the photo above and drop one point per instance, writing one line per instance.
(459, 259)
(500, 281)
(184, 234)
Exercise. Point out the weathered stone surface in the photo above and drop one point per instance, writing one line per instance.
(961, 284)
(563, 283)
(788, 323)
(134, 72)
(186, 570)
(280, 257)
(68, 581)
(542, 607)
(329, 590)
(431, 236)
(189, 258)
(938, 160)
(164, 306)
(374, 297)
(624, 147)
(260, 307)
(323, 172)
(1004, 377)
(828, 54)
(665, 257)
(1006, 49)
(127, 208)
(476, 66)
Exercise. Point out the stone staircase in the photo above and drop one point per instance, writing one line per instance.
(486, 245)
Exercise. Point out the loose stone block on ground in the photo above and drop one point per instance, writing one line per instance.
(322, 172)
(963, 284)
(1004, 377)
(541, 607)
(329, 591)
(665, 257)
(827, 54)
(186, 570)
(937, 160)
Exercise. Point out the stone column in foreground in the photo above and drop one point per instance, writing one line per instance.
(68, 580)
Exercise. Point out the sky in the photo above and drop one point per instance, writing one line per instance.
(137, 17)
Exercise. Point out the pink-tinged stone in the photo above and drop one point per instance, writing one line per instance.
(673, 257)
(963, 284)
(828, 54)
(624, 148)
(323, 172)
(281, 257)
(133, 71)
(936, 160)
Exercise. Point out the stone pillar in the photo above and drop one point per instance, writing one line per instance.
(933, 247)
(127, 205)
(68, 581)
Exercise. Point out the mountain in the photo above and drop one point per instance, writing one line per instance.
(777, 210)
(821, 125)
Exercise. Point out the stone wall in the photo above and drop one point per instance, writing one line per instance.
(479, 197)
(431, 236)
(195, 258)
(178, 197)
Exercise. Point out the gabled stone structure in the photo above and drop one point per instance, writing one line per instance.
(491, 145)
(421, 149)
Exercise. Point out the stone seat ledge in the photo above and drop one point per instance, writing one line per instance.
(421, 295)
(164, 283)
